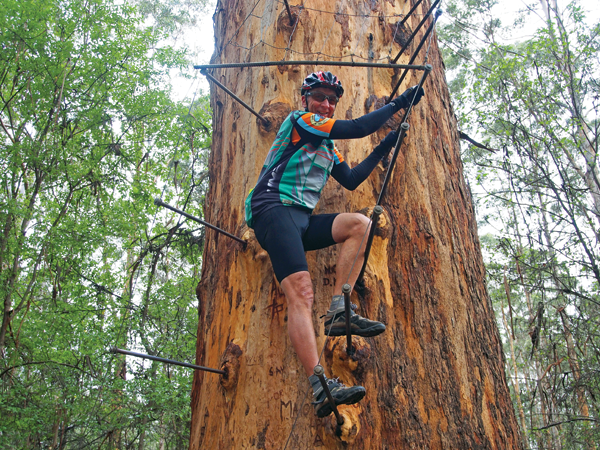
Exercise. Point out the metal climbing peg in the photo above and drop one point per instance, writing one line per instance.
(289, 11)
(159, 202)
(437, 15)
(235, 97)
(416, 30)
(320, 373)
(404, 127)
(377, 212)
(346, 290)
(166, 361)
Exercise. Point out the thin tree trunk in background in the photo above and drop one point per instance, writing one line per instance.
(435, 378)
(513, 357)
(142, 439)
(55, 427)
(582, 405)
(574, 364)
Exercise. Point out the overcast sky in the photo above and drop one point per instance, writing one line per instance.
(200, 40)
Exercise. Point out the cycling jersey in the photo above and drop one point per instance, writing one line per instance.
(303, 156)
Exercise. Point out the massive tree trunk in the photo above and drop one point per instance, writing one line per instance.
(435, 378)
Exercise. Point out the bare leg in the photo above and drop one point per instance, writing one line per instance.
(299, 293)
(351, 230)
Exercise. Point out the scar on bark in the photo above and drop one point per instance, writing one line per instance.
(230, 363)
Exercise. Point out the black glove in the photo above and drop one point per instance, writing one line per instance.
(386, 145)
(403, 101)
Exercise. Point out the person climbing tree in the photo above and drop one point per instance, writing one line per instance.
(280, 206)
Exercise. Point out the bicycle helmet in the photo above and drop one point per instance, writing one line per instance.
(322, 79)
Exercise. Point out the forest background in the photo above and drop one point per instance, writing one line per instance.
(95, 124)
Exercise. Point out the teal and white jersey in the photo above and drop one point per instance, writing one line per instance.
(296, 169)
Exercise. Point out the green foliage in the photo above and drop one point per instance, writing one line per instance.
(172, 15)
(536, 103)
(89, 138)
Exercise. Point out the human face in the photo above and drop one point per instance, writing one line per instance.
(323, 108)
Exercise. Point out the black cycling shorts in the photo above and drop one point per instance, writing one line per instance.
(286, 232)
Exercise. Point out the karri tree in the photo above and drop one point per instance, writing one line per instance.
(435, 377)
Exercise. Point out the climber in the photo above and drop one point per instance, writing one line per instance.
(279, 209)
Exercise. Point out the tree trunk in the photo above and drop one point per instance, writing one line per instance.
(435, 378)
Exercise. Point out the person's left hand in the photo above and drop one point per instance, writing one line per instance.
(387, 143)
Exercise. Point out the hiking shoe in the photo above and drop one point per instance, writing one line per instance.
(335, 325)
(342, 395)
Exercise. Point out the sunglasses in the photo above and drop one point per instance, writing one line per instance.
(320, 97)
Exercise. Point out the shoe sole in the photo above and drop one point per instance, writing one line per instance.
(366, 332)
(352, 396)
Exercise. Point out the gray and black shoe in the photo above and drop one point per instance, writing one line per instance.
(335, 321)
(342, 395)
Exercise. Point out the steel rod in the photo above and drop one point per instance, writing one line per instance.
(377, 211)
(404, 127)
(319, 372)
(414, 33)
(308, 63)
(438, 13)
(346, 290)
(166, 361)
(235, 97)
(412, 10)
(287, 6)
(428, 70)
(159, 202)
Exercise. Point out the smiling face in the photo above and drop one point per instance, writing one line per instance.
(323, 108)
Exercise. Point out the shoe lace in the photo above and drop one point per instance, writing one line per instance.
(330, 381)
(353, 307)
(335, 380)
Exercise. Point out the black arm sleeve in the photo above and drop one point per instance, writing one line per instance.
(352, 178)
(357, 128)
(365, 125)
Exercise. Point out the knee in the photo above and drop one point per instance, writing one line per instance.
(298, 290)
(350, 226)
(358, 225)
